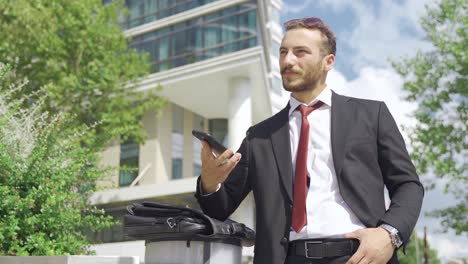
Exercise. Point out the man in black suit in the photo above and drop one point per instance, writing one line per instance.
(318, 168)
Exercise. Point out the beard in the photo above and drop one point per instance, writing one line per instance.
(302, 80)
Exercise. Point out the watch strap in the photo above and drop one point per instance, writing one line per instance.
(394, 234)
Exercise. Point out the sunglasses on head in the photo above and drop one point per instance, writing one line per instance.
(308, 21)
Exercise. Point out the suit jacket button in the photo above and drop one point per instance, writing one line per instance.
(284, 241)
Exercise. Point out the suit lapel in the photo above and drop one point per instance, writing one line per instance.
(342, 112)
(282, 149)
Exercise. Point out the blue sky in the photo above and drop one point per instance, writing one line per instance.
(369, 34)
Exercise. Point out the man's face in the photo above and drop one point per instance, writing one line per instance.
(301, 62)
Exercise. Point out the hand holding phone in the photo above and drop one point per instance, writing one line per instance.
(214, 144)
(215, 168)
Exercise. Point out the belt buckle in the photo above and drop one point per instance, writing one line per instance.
(307, 251)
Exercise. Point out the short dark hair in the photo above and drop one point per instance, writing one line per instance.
(329, 45)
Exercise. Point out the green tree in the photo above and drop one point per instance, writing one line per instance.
(437, 81)
(415, 251)
(46, 177)
(78, 52)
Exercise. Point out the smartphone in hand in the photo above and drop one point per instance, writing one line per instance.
(214, 144)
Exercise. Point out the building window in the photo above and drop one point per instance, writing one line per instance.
(129, 156)
(142, 12)
(201, 38)
(177, 141)
(198, 124)
(218, 128)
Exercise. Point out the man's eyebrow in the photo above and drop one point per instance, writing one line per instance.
(301, 47)
(295, 47)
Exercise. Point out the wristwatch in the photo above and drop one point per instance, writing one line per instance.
(394, 234)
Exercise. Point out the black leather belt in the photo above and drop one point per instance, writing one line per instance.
(323, 248)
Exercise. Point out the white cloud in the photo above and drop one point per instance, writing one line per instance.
(295, 8)
(448, 249)
(391, 31)
(382, 84)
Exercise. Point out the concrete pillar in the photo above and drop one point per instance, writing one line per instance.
(187, 163)
(240, 110)
(164, 145)
(239, 120)
(149, 150)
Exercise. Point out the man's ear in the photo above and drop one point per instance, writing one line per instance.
(329, 61)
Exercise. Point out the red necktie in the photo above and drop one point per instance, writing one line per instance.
(299, 215)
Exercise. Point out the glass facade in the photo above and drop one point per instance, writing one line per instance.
(201, 38)
(145, 11)
(129, 156)
(177, 141)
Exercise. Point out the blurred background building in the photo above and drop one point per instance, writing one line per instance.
(217, 63)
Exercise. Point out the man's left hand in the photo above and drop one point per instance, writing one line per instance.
(375, 246)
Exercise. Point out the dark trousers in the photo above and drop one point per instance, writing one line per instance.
(303, 260)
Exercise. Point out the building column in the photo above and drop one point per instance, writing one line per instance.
(187, 153)
(164, 145)
(239, 120)
(149, 150)
(240, 110)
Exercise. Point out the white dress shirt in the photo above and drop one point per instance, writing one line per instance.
(327, 213)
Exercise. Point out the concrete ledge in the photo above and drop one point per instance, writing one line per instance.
(69, 260)
(141, 192)
(126, 248)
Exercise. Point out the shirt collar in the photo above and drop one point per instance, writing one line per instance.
(325, 96)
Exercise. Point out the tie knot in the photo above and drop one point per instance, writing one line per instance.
(306, 110)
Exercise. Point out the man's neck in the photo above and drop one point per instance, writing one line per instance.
(309, 95)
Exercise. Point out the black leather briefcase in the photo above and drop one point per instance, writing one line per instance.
(158, 222)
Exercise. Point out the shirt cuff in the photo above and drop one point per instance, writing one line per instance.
(207, 194)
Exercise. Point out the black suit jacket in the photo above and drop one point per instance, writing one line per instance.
(368, 154)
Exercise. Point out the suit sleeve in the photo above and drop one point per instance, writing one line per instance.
(224, 202)
(405, 190)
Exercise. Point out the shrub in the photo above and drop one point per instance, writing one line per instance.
(46, 177)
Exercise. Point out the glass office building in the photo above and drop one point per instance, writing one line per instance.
(200, 38)
(216, 61)
(143, 12)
